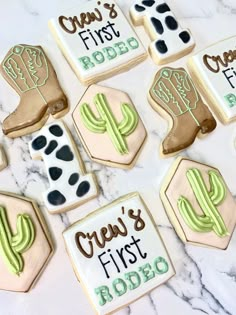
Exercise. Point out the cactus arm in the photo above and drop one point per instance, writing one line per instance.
(111, 124)
(25, 236)
(12, 259)
(130, 121)
(90, 121)
(200, 191)
(194, 221)
(218, 190)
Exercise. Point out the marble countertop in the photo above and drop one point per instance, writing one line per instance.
(205, 282)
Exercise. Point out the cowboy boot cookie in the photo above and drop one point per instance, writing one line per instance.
(173, 94)
(28, 70)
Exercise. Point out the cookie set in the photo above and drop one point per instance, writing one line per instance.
(116, 251)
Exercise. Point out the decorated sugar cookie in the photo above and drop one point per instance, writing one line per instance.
(109, 126)
(214, 73)
(29, 71)
(97, 40)
(70, 186)
(169, 40)
(199, 204)
(117, 254)
(174, 96)
(3, 158)
(25, 245)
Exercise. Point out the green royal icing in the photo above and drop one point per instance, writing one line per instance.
(107, 122)
(160, 265)
(177, 82)
(230, 99)
(119, 287)
(211, 220)
(24, 67)
(12, 246)
(134, 280)
(104, 295)
(147, 272)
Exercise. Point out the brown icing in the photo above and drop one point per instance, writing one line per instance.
(174, 93)
(30, 73)
(213, 63)
(106, 234)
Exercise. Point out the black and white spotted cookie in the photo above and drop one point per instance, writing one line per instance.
(69, 185)
(169, 40)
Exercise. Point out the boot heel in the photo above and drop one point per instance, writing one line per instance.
(208, 125)
(59, 108)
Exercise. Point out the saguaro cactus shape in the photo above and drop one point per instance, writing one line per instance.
(207, 200)
(107, 122)
(12, 246)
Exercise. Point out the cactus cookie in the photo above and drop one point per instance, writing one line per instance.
(109, 126)
(30, 73)
(25, 245)
(175, 97)
(199, 204)
(117, 254)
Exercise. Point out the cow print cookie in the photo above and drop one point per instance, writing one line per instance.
(169, 40)
(69, 185)
(117, 254)
(97, 40)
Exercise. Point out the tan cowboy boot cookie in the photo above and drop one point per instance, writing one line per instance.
(28, 70)
(174, 95)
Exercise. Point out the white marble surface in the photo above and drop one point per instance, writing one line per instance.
(206, 279)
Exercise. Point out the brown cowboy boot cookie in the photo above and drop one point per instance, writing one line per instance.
(31, 74)
(174, 95)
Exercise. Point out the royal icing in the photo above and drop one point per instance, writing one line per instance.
(202, 205)
(169, 40)
(174, 92)
(25, 246)
(69, 185)
(113, 256)
(215, 67)
(97, 39)
(28, 70)
(108, 117)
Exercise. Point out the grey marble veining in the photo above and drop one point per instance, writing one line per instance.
(205, 282)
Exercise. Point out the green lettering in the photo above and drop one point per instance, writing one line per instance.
(86, 63)
(134, 280)
(133, 43)
(110, 53)
(160, 269)
(147, 272)
(104, 295)
(119, 286)
(122, 48)
(98, 57)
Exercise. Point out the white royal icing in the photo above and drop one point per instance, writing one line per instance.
(223, 83)
(156, 15)
(73, 165)
(101, 36)
(94, 272)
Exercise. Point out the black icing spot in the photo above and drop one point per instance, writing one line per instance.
(39, 143)
(65, 154)
(157, 25)
(162, 8)
(55, 172)
(171, 23)
(185, 37)
(148, 3)
(73, 179)
(82, 189)
(139, 8)
(56, 198)
(56, 130)
(51, 147)
(161, 46)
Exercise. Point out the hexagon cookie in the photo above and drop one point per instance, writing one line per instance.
(109, 126)
(199, 204)
(117, 254)
(25, 245)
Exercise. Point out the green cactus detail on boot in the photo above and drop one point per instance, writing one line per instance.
(107, 122)
(13, 246)
(211, 220)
